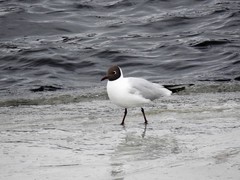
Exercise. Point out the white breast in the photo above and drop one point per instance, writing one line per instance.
(119, 92)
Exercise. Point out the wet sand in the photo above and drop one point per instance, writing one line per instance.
(192, 136)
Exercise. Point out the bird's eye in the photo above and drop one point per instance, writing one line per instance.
(114, 72)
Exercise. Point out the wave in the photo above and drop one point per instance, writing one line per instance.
(51, 95)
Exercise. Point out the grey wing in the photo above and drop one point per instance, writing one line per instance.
(148, 89)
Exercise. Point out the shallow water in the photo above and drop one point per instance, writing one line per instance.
(188, 136)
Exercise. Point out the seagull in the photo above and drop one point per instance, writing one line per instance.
(130, 92)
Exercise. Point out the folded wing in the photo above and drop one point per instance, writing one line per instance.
(147, 89)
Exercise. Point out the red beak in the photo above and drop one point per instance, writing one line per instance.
(105, 77)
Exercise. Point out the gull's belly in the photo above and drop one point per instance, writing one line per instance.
(119, 94)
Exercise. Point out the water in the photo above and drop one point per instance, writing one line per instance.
(70, 44)
(54, 112)
(188, 136)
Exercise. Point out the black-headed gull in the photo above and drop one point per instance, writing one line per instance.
(130, 91)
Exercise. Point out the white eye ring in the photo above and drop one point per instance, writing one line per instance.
(114, 72)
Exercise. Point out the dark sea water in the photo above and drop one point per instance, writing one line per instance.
(69, 44)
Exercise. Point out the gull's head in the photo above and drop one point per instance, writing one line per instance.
(113, 73)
